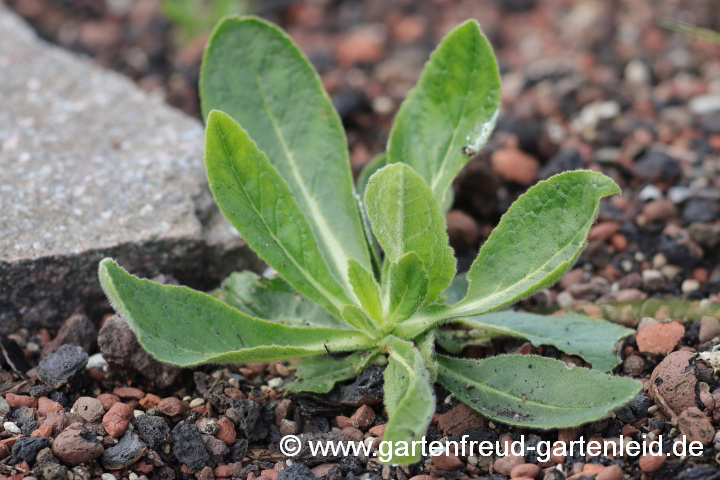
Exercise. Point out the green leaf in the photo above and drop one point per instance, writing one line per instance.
(358, 319)
(593, 340)
(255, 73)
(406, 288)
(371, 167)
(320, 374)
(537, 240)
(450, 113)
(361, 359)
(457, 289)
(366, 290)
(535, 392)
(259, 204)
(426, 345)
(406, 218)
(185, 327)
(455, 341)
(273, 299)
(409, 399)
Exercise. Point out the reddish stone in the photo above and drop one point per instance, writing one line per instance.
(108, 400)
(172, 406)
(19, 401)
(619, 241)
(366, 44)
(269, 474)
(651, 463)
(513, 165)
(343, 422)
(47, 406)
(117, 419)
(672, 383)
(660, 337)
(459, 419)
(529, 470)
(447, 462)
(603, 230)
(129, 392)
(234, 393)
(42, 431)
(150, 401)
(377, 430)
(611, 472)
(143, 467)
(227, 431)
(363, 417)
(223, 471)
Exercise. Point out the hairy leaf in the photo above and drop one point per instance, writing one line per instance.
(450, 113)
(426, 345)
(457, 289)
(358, 319)
(406, 218)
(273, 299)
(255, 73)
(535, 392)
(259, 204)
(406, 288)
(409, 399)
(537, 240)
(455, 341)
(366, 290)
(185, 327)
(320, 374)
(593, 340)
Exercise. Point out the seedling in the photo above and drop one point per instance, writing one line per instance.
(277, 164)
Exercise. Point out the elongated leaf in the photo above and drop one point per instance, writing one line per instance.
(366, 290)
(358, 319)
(320, 374)
(426, 345)
(535, 392)
(406, 218)
(185, 327)
(273, 299)
(455, 341)
(409, 399)
(260, 205)
(591, 339)
(537, 240)
(457, 289)
(378, 162)
(255, 73)
(406, 288)
(450, 113)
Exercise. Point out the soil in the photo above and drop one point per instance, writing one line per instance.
(587, 84)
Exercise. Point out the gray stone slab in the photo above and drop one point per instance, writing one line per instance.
(91, 166)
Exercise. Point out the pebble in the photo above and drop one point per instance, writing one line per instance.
(74, 447)
(458, 419)
(673, 382)
(657, 210)
(117, 419)
(78, 330)
(108, 400)
(150, 401)
(651, 463)
(696, 426)
(19, 401)
(172, 407)
(25, 449)
(504, 465)
(57, 368)
(634, 365)
(207, 426)
(529, 470)
(226, 431)
(689, 285)
(611, 472)
(89, 409)
(4, 406)
(650, 192)
(514, 165)
(447, 462)
(363, 417)
(223, 471)
(288, 427)
(653, 280)
(128, 450)
(215, 447)
(11, 427)
(188, 446)
(129, 392)
(660, 337)
(98, 362)
(153, 430)
(709, 329)
(47, 406)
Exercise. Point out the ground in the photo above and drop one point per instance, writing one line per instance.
(587, 84)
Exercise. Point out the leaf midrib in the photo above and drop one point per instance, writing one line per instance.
(339, 259)
(337, 303)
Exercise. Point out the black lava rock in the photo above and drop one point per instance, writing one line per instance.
(27, 448)
(352, 464)
(657, 165)
(245, 413)
(366, 389)
(59, 367)
(238, 450)
(565, 160)
(153, 430)
(298, 471)
(61, 398)
(40, 391)
(127, 451)
(188, 446)
(701, 210)
(23, 417)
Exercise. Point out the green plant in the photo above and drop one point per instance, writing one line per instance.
(277, 163)
(192, 18)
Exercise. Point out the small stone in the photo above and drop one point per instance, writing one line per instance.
(651, 463)
(459, 419)
(89, 409)
(153, 430)
(117, 419)
(634, 365)
(19, 401)
(150, 401)
(129, 392)
(172, 407)
(215, 447)
(57, 368)
(659, 337)
(611, 472)
(529, 470)
(4, 406)
(447, 462)
(25, 449)
(363, 417)
(47, 406)
(709, 329)
(127, 451)
(226, 431)
(657, 210)
(513, 165)
(59, 421)
(288, 427)
(378, 430)
(650, 192)
(689, 285)
(76, 330)
(504, 465)
(223, 471)
(196, 402)
(696, 425)
(74, 447)
(12, 427)
(362, 45)
(297, 471)
(672, 383)
(282, 410)
(108, 400)
(42, 431)
(653, 280)
(188, 446)
(205, 474)
(207, 426)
